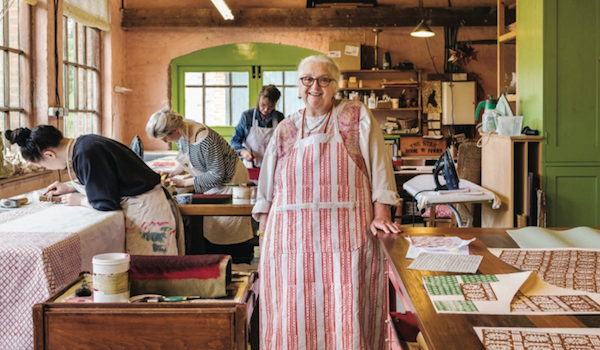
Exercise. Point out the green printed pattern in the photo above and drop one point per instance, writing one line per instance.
(455, 305)
(442, 285)
(479, 278)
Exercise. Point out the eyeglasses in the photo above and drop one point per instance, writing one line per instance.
(321, 81)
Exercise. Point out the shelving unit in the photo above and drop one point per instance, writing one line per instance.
(375, 80)
(505, 164)
(505, 38)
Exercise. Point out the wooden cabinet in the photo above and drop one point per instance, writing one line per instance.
(208, 324)
(560, 96)
(505, 164)
(395, 84)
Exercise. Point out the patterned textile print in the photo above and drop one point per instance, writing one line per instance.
(348, 126)
(24, 211)
(572, 269)
(34, 267)
(319, 251)
(514, 339)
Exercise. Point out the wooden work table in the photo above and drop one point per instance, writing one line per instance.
(455, 331)
(216, 209)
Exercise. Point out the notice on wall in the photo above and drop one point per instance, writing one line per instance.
(418, 146)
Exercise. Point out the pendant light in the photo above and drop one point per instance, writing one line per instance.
(422, 30)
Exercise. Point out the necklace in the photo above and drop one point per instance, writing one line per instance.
(323, 121)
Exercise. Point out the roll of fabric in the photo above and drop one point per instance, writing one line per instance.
(206, 276)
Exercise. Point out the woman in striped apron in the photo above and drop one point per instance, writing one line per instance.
(326, 186)
(205, 155)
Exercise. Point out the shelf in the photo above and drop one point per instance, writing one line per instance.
(380, 71)
(417, 87)
(395, 109)
(508, 37)
(511, 97)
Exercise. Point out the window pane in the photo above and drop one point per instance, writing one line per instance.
(71, 48)
(216, 106)
(82, 86)
(13, 22)
(16, 119)
(193, 78)
(193, 103)
(14, 80)
(217, 78)
(72, 74)
(2, 41)
(273, 78)
(91, 83)
(239, 103)
(291, 102)
(290, 77)
(2, 72)
(239, 78)
(80, 44)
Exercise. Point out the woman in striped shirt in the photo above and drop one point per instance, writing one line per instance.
(211, 161)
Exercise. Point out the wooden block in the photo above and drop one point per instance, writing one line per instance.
(418, 146)
(45, 198)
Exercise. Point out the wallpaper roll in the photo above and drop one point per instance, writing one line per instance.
(206, 276)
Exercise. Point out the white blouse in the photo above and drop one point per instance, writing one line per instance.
(377, 160)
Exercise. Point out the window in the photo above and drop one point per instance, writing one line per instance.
(286, 82)
(12, 63)
(81, 68)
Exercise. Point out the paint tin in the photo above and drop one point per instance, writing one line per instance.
(111, 278)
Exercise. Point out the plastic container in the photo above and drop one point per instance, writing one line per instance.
(184, 198)
(111, 278)
(509, 126)
(241, 195)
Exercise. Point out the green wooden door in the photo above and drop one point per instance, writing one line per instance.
(573, 196)
(572, 80)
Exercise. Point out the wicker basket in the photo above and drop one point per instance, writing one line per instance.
(407, 123)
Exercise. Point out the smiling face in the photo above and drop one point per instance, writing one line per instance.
(318, 100)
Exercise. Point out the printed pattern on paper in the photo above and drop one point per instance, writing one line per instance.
(525, 340)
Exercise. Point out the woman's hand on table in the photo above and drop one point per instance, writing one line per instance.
(182, 182)
(384, 224)
(74, 199)
(57, 188)
(247, 155)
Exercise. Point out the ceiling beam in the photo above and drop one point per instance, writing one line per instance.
(309, 18)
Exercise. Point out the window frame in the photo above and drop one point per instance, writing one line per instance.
(74, 115)
(24, 66)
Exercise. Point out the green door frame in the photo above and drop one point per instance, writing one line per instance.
(234, 57)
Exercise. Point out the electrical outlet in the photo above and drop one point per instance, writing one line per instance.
(57, 112)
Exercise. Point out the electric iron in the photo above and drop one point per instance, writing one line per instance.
(445, 164)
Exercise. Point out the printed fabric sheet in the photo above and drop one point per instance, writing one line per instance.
(508, 338)
(521, 293)
(42, 247)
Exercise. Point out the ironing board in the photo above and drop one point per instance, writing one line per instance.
(422, 188)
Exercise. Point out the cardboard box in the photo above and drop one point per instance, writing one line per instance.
(345, 54)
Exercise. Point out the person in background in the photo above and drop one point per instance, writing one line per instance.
(254, 130)
(326, 186)
(111, 177)
(205, 155)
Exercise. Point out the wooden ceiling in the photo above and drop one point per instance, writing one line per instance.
(294, 14)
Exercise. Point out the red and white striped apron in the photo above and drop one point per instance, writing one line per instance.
(322, 271)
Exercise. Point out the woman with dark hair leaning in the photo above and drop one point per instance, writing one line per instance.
(111, 177)
(211, 161)
(325, 188)
(254, 130)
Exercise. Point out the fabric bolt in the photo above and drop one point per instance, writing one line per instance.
(322, 270)
(42, 247)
